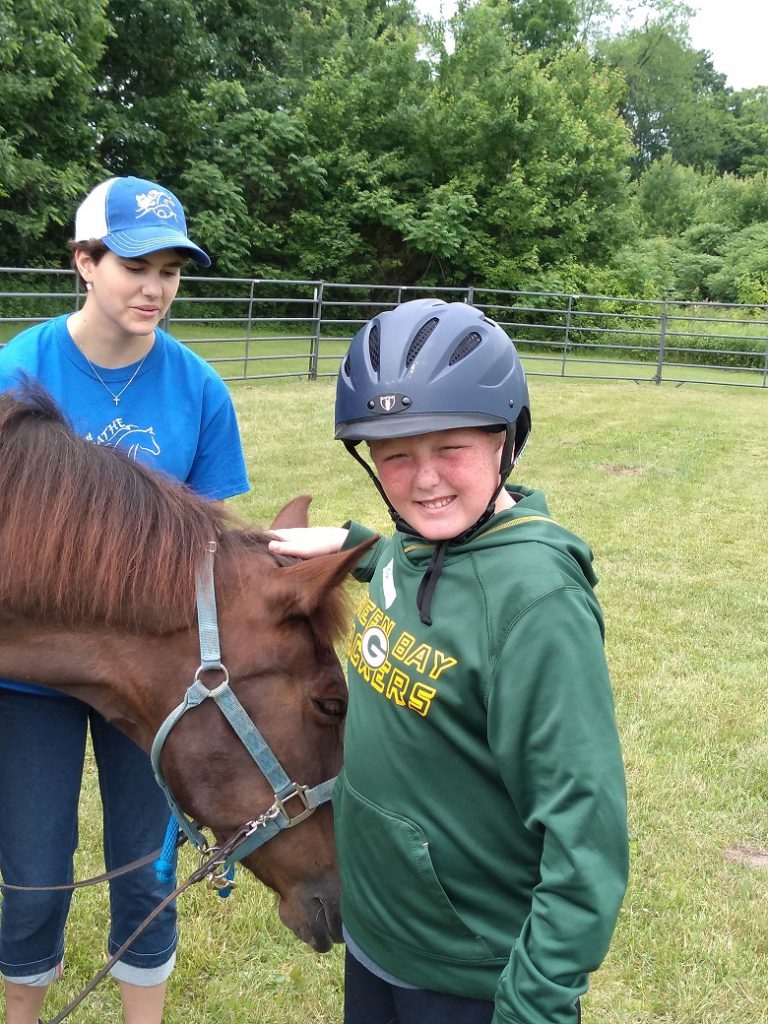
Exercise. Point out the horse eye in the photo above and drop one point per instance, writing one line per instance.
(331, 708)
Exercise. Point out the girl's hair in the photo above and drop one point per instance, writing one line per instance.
(94, 248)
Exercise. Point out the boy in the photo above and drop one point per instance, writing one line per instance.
(481, 813)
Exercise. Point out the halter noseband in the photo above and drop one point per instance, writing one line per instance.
(258, 831)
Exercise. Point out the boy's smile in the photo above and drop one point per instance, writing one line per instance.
(441, 482)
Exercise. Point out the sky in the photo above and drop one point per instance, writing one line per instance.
(735, 32)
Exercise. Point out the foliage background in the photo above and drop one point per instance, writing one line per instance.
(527, 144)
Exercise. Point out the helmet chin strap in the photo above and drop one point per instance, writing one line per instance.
(505, 468)
(435, 567)
(404, 528)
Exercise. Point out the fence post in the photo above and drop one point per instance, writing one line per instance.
(249, 329)
(662, 344)
(568, 315)
(765, 364)
(470, 296)
(317, 317)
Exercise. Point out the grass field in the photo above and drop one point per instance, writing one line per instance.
(670, 487)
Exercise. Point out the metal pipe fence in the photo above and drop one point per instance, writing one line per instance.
(260, 329)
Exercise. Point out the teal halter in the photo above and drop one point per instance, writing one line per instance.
(258, 831)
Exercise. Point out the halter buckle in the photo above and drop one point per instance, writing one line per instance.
(298, 792)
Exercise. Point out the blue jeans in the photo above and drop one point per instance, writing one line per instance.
(42, 749)
(370, 1000)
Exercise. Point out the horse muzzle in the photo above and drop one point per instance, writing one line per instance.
(312, 913)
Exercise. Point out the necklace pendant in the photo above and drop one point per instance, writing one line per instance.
(116, 399)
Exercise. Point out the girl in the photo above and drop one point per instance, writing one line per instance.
(127, 384)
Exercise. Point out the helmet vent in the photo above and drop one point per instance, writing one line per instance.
(418, 342)
(373, 347)
(347, 366)
(465, 346)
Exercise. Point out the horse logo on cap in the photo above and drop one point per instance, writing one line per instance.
(160, 203)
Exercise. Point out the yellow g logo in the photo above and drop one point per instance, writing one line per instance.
(375, 647)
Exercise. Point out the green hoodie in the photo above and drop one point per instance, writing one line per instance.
(481, 813)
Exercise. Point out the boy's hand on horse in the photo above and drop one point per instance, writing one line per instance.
(308, 542)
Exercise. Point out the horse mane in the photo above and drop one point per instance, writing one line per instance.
(87, 535)
(90, 536)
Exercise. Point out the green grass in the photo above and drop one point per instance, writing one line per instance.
(669, 485)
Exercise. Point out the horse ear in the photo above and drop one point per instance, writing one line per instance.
(295, 513)
(299, 589)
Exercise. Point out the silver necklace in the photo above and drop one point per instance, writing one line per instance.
(115, 397)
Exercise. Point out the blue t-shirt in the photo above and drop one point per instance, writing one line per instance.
(175, 416)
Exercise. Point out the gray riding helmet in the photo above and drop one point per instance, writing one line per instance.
(431, 365)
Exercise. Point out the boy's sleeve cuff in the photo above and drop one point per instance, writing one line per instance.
(357, 533)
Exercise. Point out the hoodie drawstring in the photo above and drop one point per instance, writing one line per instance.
(429, 582)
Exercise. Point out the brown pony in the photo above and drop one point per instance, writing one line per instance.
(98, 557)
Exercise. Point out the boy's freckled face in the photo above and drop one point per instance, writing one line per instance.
(440, 482)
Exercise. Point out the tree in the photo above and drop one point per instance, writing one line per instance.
(668, 196)
(155, 63)
(49, 54)
(743, 274)
(711, 221)
(540, 149)
(365, 119)
(745, 146)
(544, 26)
(207, 103)
(674, 101)
(601, 20)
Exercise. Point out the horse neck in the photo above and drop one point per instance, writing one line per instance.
(134, 681)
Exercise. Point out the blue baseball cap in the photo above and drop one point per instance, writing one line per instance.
(134, 217)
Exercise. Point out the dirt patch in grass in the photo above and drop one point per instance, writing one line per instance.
(748, 856)
(607, 467)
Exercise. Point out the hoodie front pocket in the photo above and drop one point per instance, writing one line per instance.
(389, 882)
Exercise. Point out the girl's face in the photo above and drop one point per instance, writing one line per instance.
(130, 296)
(441, 482)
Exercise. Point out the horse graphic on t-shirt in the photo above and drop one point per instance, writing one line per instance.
(129, 437)
(135, 440)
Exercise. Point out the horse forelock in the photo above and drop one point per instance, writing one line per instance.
(88, 535)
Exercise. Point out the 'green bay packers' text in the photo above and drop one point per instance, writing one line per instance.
(400, 669)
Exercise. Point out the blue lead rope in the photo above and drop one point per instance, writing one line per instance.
(164, 866)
